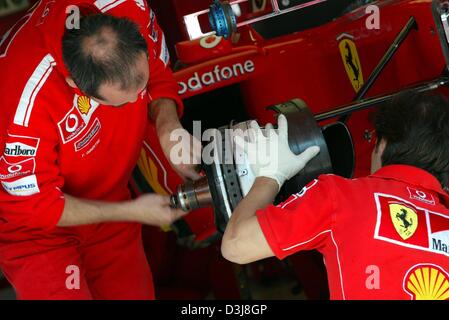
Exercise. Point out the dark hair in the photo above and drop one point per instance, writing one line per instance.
(102, 50)
(416, 130)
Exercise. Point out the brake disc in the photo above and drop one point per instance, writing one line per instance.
(229, 176)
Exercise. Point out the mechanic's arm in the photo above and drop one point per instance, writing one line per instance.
(163, 112)
(166, 107)
(243, 240)
(151, 209)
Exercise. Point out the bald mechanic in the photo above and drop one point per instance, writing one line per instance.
(385, 236)
(75, 104)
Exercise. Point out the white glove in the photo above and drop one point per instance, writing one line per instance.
(270, 155)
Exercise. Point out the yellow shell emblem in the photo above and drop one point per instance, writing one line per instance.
(84, 104)
(427, 282)
(405, 220)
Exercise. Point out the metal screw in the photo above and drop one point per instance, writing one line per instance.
(368, 135)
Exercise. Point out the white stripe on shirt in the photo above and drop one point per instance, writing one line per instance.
(32, 88)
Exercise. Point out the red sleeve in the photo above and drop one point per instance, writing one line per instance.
(162, 83)
(30, 192)
(303, 222)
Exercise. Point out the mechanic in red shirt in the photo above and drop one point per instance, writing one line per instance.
(79, 78)
(385, 236)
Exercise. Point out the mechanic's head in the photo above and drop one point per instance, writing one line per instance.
(107, 58)
(414, 130)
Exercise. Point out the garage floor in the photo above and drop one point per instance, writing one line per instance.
(281, 289)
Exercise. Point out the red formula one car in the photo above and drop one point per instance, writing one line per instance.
(340, 60)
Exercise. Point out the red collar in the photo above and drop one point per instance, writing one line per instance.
(413, 175)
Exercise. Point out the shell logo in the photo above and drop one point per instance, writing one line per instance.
(84, 104)
(427, 282)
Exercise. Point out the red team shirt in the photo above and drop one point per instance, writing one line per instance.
(385, 236)
(54, 139)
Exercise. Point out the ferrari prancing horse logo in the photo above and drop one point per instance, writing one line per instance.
(351, 62)
(405, 220)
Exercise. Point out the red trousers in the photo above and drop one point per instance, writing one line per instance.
(104, 261)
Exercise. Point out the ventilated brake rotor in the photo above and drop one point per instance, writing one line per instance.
(229, 176)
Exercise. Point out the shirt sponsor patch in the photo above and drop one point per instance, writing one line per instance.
(26, 186)
(92, 132)
(21, 146)
(403, 223)
(426, 282)
(404, 219)
(10, 171)
(84, 105)
(77, 119)
(422, 196)
(153, 32)
(71, 126)
(165, 54)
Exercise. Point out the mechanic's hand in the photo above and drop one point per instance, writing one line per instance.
(183, 151)
(154, 209)
(270, 155)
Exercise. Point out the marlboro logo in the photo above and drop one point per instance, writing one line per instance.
(21, 146)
